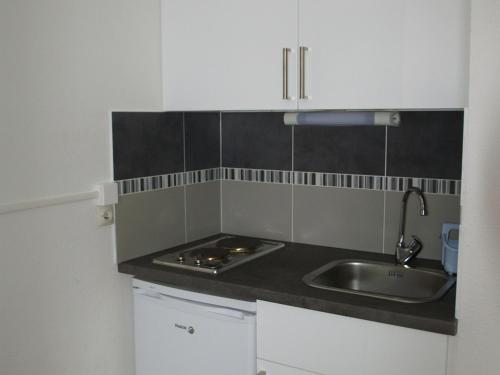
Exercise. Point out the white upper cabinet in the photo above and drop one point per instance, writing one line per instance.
(314, 54)
(368, 54)
(228, 54)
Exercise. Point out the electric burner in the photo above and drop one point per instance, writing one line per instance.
(239, 245)
(218, 255)
(208, 256)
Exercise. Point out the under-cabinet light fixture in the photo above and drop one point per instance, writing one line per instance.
(343, 118)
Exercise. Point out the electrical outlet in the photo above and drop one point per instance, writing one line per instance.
(105, 215)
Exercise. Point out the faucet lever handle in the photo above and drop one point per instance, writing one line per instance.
(415, 245)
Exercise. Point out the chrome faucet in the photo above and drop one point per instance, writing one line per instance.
(405, 253)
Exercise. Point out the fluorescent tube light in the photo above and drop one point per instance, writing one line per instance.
(343, 118)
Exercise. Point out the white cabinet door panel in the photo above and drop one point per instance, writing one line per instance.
(333, 344)
(227, 54)
(270, 368)
(369, 54)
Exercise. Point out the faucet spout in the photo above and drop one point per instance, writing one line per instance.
(405, 253)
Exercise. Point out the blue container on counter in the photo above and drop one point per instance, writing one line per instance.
(449, 237)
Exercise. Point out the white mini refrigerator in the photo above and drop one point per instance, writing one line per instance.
(179, 332)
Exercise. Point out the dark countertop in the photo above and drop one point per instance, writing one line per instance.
(277, 277)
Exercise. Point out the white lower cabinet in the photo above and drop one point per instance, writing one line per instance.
(294, 341)
(270, 368)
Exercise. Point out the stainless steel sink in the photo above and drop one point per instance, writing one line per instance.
(381, 280)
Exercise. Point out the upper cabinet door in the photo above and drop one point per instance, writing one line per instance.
(229, 54)
(385, 54)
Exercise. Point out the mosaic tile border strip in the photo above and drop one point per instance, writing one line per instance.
(427, 185)
(338, 180)
(202, 175)
(165, 181)
(257, 175)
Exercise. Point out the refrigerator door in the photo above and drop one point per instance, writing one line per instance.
(175, 336)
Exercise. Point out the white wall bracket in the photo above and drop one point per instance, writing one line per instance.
(107, 193)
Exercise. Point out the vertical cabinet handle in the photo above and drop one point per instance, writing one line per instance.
(302, 78)
(285, 73)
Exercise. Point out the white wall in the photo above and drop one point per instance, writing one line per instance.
(65, 64)
(476, 350)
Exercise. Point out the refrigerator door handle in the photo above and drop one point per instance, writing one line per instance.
(203, 307)
(147, 293)
(223, 311)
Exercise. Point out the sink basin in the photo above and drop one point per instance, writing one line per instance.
(381, 280)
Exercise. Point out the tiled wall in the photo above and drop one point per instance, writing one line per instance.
(168, 166)
(322, 185)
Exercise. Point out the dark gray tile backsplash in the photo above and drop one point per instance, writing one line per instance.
(356, 150)
(324, 201)
(256, 140)
(426, 144)
(202, 131)
(147, 144)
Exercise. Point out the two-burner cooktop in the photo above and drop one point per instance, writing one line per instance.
(219, 255)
